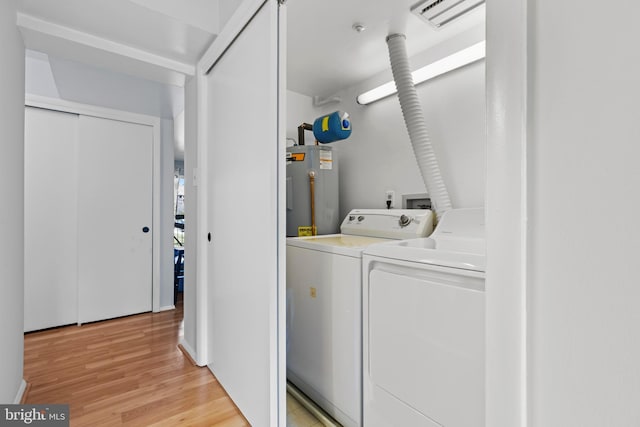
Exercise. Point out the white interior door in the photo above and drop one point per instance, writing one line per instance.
(115, 183)
(244, 216)
(50, 269)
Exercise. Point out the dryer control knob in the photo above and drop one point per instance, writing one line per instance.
(404, 220)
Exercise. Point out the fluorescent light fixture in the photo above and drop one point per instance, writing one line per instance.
(449, 63)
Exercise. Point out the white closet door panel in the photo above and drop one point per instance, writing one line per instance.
(243, 214)
(50, 269)
(115, 167)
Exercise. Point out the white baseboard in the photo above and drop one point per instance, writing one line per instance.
(168, 307)
(190, 350)
(21, 390)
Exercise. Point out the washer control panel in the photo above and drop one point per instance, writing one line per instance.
(389, 223)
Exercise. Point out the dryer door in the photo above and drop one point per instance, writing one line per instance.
(424, 347)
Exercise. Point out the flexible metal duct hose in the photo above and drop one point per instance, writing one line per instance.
(416, 124)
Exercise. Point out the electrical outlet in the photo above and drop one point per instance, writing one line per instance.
(390, 197)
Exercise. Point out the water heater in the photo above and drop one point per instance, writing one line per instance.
(312, 169)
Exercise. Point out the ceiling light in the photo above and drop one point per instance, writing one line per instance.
(459, 59)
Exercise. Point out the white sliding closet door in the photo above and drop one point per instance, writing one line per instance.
(245, 160)
(115, 183)
(50, 264)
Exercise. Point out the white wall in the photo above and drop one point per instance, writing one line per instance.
(166, 213)
(584, 236)
(86, 84)
(300, 110)
(190, 215)
(226, 9)
(378, 156)
(178, 136)
(39, 78)
(11, 215)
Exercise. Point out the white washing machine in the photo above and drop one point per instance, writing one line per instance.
(423, 327)
(324, 306)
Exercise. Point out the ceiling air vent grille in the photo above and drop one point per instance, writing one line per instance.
(441, 12)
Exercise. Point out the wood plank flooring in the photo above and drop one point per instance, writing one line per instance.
(127, 371)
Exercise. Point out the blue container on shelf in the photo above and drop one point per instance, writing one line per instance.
(332, 127)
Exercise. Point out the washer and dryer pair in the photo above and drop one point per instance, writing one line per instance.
(385, 331)
(324, 306)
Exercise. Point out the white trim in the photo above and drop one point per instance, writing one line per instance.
(281, 316)
(507, 210)
(20, 393)
(202, 246)
(55, 30)
(189, 350)
(167, 307)
(231, 30)
(107, 113)
(156, 274)
(89, 110)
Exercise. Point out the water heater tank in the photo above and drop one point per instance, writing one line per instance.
(322, 160)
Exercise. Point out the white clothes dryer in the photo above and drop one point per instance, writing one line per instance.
(324, 306)
(423, 327)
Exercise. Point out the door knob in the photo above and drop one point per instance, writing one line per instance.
(145, 229)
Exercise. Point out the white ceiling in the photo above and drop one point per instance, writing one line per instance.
(131, 55)
(162, 40)
(174, 30)
(202, 14)
(325, 54)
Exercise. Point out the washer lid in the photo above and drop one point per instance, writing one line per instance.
(341, 244)
(457, 242)
(427, 251)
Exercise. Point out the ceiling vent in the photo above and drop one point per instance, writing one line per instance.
(441, 12)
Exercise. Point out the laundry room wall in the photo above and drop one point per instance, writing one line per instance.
(300, 110)
(379, 157)
(12, 214)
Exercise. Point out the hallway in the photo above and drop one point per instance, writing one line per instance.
(126, 371)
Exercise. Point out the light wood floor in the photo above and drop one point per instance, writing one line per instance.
(127, 371)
